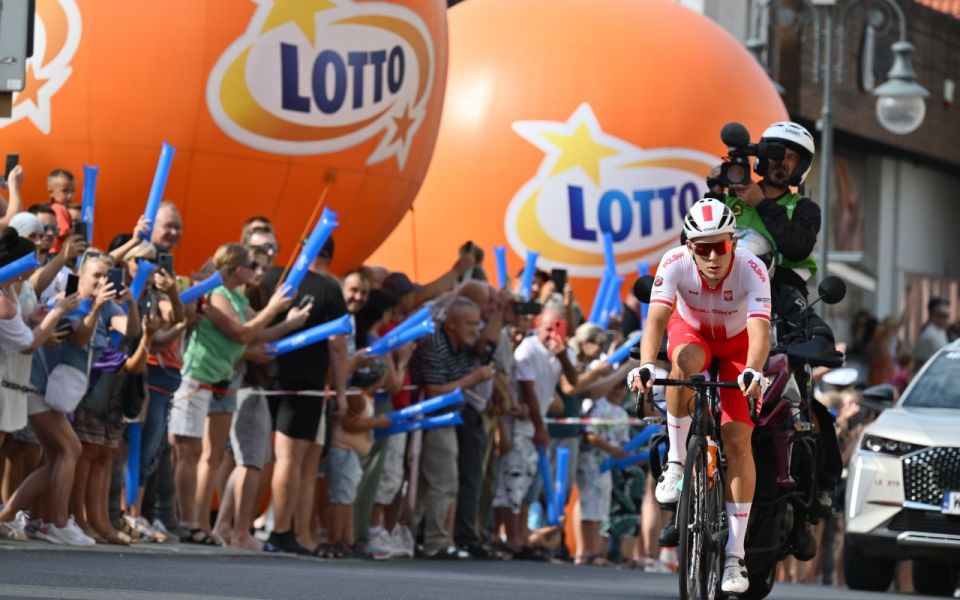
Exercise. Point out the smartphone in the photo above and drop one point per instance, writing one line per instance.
(305, 300)
(559, 278)
(73, 282)
(115, 276)
(165, 262)
(78, 227)
(527, 308)
(63, 325)
(12, 161)
(560, 329)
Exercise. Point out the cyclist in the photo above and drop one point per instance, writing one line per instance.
(722, 297)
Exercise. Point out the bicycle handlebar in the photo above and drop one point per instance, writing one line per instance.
(701, 383)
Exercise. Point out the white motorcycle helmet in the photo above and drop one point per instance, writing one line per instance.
(797, 138)
(754, 242)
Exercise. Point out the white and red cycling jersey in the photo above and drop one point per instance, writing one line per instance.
(720, 312)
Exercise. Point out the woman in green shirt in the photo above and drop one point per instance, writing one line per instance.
(214, 348)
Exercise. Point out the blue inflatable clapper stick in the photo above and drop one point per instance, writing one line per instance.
(596, 313)
(451, 419)
(613, 297)
(563, 476)
(413, 320)
(195, 292)
(145, 269)
(391, 341)
(503, 276)
(628, 461)
(642, 438)
(19, 267)
(89, 201)
(623, 352)
(158, 186)
(529, 270)
(609, 258)
(133, 462)
(314, 335)
(643, 269)
(311, 248)
(434, 404)
(553, 511)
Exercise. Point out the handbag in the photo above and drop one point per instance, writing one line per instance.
(104, 378)
(66, 384)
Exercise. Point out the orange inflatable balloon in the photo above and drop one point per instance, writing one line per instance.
(564, 119)
(269, 104)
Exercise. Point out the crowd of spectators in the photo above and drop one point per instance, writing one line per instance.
(238, 447)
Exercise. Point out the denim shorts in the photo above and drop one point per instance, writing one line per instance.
(226, 403)
(343, 475)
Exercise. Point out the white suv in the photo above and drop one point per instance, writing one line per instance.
(903, 486)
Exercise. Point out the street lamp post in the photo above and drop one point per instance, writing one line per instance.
(900, 105)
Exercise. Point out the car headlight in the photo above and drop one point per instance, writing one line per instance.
(875, 443)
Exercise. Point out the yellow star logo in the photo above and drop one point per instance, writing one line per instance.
(580, 149)
(301, 12)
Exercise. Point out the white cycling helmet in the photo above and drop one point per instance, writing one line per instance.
(708, 217)
(797, 138)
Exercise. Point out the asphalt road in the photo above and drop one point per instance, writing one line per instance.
(38, 570)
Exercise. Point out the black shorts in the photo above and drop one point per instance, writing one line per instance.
(297, 417)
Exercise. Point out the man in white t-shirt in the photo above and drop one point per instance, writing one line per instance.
(540, 362)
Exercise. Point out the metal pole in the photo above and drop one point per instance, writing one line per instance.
(826, 143)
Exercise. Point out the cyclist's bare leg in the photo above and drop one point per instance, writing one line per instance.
(688, 359)
(741, 471)
(741, 478)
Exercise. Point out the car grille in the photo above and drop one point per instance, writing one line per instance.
(928, 473)
(926, 521)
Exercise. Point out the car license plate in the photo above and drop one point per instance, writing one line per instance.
(951, 502)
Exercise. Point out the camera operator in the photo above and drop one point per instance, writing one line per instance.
(788, 219)
(790, 222)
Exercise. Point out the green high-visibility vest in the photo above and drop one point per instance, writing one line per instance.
(747, 217)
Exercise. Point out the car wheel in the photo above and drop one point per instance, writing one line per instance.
(933, 577)
(865, 572)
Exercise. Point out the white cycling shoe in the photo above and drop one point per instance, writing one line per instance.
(668, 486)
(735, 579)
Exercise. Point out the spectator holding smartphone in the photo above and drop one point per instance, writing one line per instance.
(209, 362)
(15, 201)
(61, 375)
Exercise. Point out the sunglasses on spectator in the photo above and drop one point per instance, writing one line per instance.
(268, 248)
(51, 230)
(261, 229)
(705, 249)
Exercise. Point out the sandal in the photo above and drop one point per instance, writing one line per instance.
(198, 536)
(324, 551)
(118, 538)
(9, 531)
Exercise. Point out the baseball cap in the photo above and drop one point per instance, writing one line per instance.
(399, 284)
(26, 223)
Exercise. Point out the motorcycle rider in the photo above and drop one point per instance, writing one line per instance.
(790, 222)
(722, 301)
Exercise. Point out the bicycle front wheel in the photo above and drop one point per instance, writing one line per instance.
(691, 519)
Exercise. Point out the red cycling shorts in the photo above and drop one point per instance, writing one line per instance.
(731, 353)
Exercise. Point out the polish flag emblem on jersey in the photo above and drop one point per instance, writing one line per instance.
(728, 295)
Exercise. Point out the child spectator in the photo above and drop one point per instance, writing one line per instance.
(350, 441)
(596, 487)
(61, 185)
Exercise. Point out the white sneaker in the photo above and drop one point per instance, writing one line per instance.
(401, 542)
(668, 486)
(15, 529)
(379, 547)
(70, 535)
(163, 534)
(735, 580)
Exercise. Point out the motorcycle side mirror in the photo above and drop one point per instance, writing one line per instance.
(642, 288)
(832, 289)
